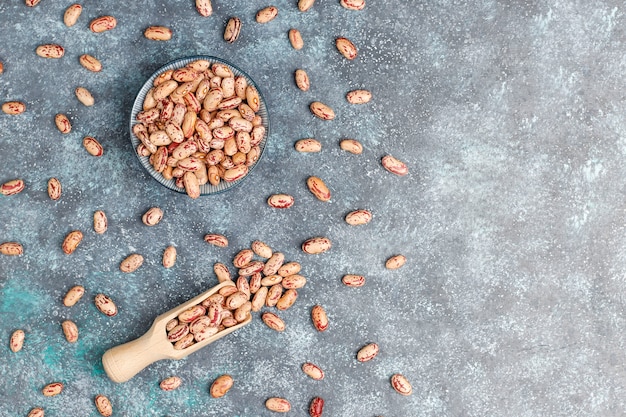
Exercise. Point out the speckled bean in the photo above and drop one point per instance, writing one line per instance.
(346, 48)
(394, 165)
(171, 383)
(216, 239)
(308, 145)
(395, 262)
(84, 96)
(169, 257)
(102, 24)
(313, 371)
(152, 217)
(52, 389)
(295, 38)
(267, 14)
(92, 146)
(233, 28)
(319, 318)
(221, 385)
(90, 63)
(73, 295)
(352, 280)
(273, 321)
(131, 263)
(401, 384)
(358, 217)
(367, 352)
(280, 201)
(106, 305)
(103, 405)
(16, 343)
(316, 245)
(13, 107)
(54, 189)
(63, 123)
(158, 33)
(50, 50)
(204, 7)
(278, 405)
(11, 249)
(322, 110)
(100, 222)
(351, 145)
(353, 4)
(71, 15)
(71, 241)
(70, 331)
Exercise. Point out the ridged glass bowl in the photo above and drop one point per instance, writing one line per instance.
(205, 189)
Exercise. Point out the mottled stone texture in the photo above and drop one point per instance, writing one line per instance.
(509, 115)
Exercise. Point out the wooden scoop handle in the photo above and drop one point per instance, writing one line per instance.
(123, 362)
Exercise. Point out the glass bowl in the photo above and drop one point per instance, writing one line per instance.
(208, 188)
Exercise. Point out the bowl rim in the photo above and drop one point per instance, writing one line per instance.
(205, 189)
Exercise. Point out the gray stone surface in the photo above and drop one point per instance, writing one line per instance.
(509, 115)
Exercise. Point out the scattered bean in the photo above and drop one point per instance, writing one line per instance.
(92, 146)
(395, 262)
(100, 222)
(316, 408)
(233, 28)
(152, 217)
(216, 240)
(267, 14)
(11, 249)
(351, 145)
(352, 280)
(353, 4)
(367, 352)
(50, 50)
(91, 63)
(401, 384)
(171, 383)
(302, 80)
(204, 7)
(70, 330)
(84, 96)
(54, 189)
(71, 15)
(73, 295)
(102, 24)
(318, 188)
(63, 123)
(221, 385)
(359, 96)
(280, 201)
(158, 33)
(395, 166)
(279, 405)
(322, 111)
(313, 371)
(169, 257)
(316, 245)
(13, 107)
(319, 318)
(295, 38)
(103, 405)
(105, 305)
(346, 48)
(16, 343)
(52, 389)
(36, 412)
(308, 145)
(358, 217)
(131, 263)
(71, 242)
(273, 321)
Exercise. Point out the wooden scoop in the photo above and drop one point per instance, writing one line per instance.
(123, 362)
